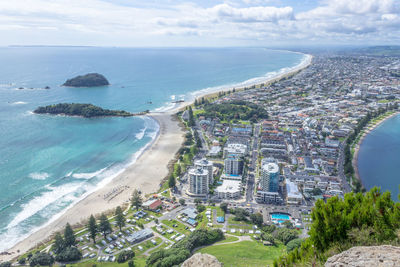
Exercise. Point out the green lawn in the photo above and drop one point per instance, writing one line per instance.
(228, 239)
(180, 228)
(245, 253)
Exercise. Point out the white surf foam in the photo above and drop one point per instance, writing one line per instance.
(39, 175)
(87, 175)
(19, 103)
(16, 232)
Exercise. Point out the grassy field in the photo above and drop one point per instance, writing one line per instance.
(180, 226)
(228, 239)
(245, 253)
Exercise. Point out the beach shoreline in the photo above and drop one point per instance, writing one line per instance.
(146, 174)
(364, 135)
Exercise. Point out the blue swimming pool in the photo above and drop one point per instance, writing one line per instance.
(279, 216)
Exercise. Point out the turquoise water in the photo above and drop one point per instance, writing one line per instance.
(379, 157)
(47, 163)
(280, 217)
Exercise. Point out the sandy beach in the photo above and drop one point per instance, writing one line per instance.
(145, 174)
(358, 145)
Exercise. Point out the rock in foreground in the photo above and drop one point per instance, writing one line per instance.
(88, 80)
(376, 256)
(202, 260)
(83, 110)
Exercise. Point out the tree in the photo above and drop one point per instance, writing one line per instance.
(178, 169)
(131, 263)
(171, 181)
(224, 207)
(59, 243)
(293, 244)
(119, 218)
(191, 118)
(268, 237)
(285, 235)
(257, 218)
(182, 201)
(69, 237)
(93, 228)
(197, 201)
(5, 264)
(104, 225)
(125, 255)
(136, 199)
(69, 254)
(200, 208)
(41, 258)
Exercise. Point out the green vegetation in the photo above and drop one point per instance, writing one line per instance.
(182, 250)
(88, 80)
(339, 224)
(136, 199)
(104, 225)
(235, 110)
(119, 218)
(245, 253)
(84, 110)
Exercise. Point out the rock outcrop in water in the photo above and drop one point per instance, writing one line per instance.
(366, 256)
(88, 80)
(83, 110)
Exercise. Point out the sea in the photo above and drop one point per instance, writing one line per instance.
(379, 157)
(48, 163)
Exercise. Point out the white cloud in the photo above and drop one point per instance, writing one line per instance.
(244, 21)
(252, 14)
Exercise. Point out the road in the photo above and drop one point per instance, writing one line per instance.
(253, 164)
(340, 164)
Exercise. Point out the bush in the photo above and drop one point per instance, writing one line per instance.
(5, 264)
(295, 243)
(22, 261)
(69, 254)
(131, 263)
(41, 258)
(200, 208)
(285, 235)
(125, 255)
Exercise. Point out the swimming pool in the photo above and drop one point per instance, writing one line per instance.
(280, 216)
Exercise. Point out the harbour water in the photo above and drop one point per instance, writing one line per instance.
(379, 157)
(48, 163)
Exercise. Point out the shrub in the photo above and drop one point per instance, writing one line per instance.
(69, 254)
(293, 244)
(41, 258)
(125, 255)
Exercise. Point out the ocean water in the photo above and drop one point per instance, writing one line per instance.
(379, 157)
(48, 163)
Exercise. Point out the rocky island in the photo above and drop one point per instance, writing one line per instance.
(83, 110)
(88, 80)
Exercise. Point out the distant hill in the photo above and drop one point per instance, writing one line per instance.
(386, 50)
(88, 80)
(83, 110)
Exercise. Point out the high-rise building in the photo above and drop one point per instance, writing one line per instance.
(205, 165)
(269, 177)
(233, 165)
(198, 181)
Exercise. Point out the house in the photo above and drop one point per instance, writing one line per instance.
(152, 204)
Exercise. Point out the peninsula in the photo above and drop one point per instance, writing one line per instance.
(84, 110)
(88, 80)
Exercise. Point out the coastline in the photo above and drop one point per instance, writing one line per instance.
(358, 145)
(146, 174)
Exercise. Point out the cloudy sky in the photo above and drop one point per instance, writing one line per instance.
(199, 22)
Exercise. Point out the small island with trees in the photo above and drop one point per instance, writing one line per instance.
(88, 80)
(83, 110)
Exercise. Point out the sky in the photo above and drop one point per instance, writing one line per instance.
(161, 23)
